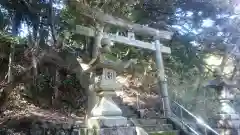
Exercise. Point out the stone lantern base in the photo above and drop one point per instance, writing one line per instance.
(111, 125)
(107, 122)
(107, 118)
(113, 131)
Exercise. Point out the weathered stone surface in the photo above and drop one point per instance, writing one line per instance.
(164, 127)
(43, 131)
(223, 131)
(150, 121)
(113, 131)
(107, 122)
(165, 133)
(106, 107)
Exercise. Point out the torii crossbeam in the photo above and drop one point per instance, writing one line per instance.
(121, 39)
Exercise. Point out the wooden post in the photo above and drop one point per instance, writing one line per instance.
(162, 79)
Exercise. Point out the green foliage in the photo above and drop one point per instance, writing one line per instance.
(68, 19)
(121, 8)
(68, 82)
(8, 39)
(43, 81)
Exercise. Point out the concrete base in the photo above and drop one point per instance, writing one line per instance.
(110, 125)
(107, 122)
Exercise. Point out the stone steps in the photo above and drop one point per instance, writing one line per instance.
(152, 128)
(227, 131)
(173, 132)
(150, 121)
(155, 126)
(153, 123)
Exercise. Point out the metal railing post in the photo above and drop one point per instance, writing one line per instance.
(181, 116)
(205, 130)
(138, 101)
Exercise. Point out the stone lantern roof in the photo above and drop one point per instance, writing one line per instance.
(220, 81)
(104, 61)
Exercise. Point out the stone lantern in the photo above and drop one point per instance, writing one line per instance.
(228, 119)
(106, 117)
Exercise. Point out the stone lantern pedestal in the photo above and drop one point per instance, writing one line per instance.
(228, 119)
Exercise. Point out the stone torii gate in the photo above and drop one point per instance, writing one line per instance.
(131, 41)
(105, 113)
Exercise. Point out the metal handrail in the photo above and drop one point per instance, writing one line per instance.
(188, 127)
(206, 126)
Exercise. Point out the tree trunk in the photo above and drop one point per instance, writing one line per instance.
(35, 52)
(10, 64)
(57, 46)
(52, 24)
(12, 52)
(57, 83)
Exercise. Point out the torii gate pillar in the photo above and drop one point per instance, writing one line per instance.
(162, 80)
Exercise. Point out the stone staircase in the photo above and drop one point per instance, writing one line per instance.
(152, 122)
(155, 126)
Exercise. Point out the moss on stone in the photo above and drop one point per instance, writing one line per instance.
(82, 131)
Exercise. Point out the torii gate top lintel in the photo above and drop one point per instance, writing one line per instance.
(121, 39)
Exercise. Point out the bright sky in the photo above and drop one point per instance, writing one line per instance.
(24, 27)
(23, 30)
(207, 23)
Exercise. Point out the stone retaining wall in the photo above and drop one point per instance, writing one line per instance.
(40, 130)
